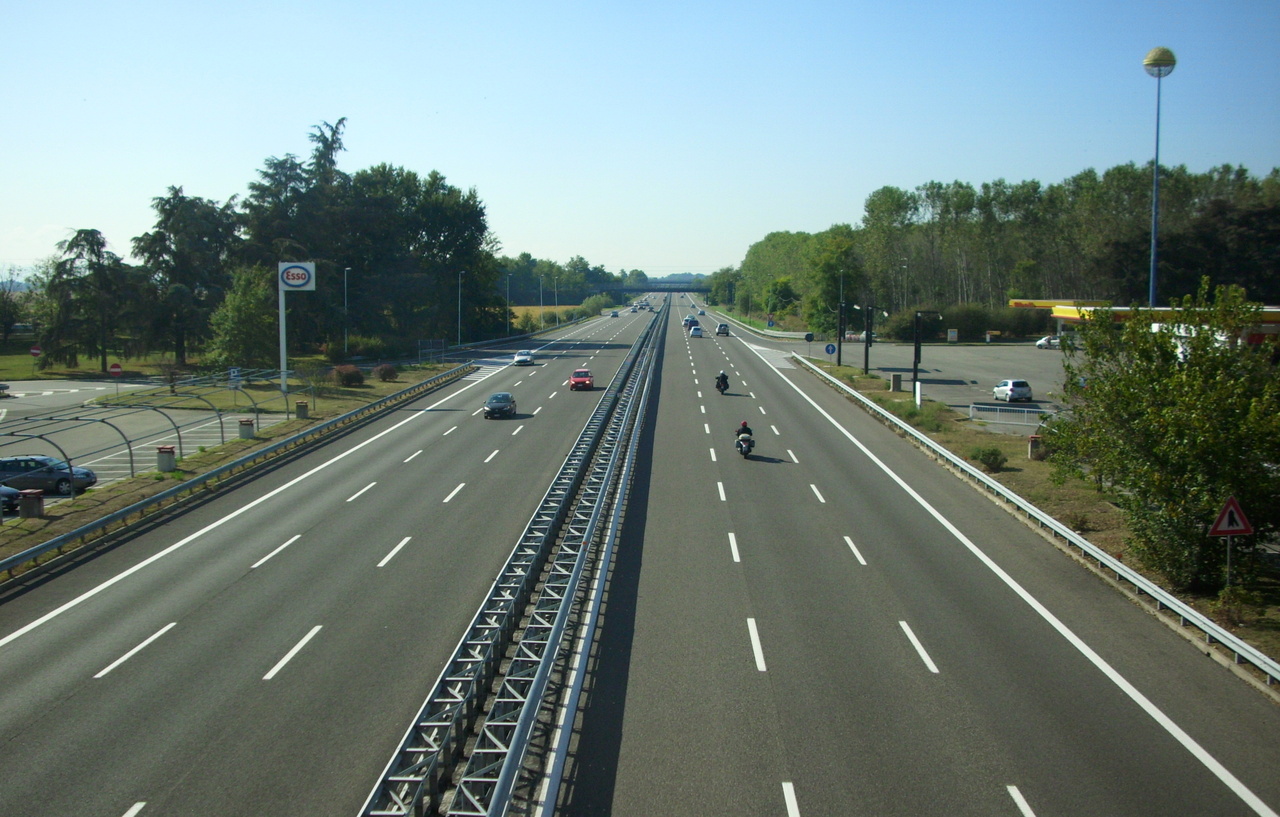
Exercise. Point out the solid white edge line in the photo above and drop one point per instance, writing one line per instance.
(733, 547)
(491, 456)
(131, 653)
(454, 492)
(915, 642)
(88, 594)
(856, 552)
(289, 655)
(817, 493)
(1023, 805)
(756, 649)
(720, 488)
(361, 491)
(394, 551)
(1154, 712)
(789, 795)
(264, 559)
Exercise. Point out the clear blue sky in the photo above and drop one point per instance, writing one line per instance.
(664, 136)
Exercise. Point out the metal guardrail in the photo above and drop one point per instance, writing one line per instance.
(1242, 652)
(1006, 415)
(414, 779)
(137, 508)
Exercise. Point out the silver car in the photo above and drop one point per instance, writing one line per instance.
(46, 473)
(1010, 390)
(522, 358)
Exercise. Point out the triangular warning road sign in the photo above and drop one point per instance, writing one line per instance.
(1231, 521)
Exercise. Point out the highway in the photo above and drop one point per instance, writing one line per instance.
(831, 627)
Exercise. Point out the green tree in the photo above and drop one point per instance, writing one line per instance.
(1175, 418)
(245, 325)
(92, 292)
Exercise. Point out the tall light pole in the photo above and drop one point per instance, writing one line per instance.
(344, 310)
(460, 307)
(1159, 63)
(542, 308)
(508, 304)
(555, 282)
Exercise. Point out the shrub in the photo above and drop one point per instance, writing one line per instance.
(992, 458)
(348, 375)
(385, 372)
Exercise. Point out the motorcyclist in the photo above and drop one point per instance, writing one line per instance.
(743, 429)
(722, 381)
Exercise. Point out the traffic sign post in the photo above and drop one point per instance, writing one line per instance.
(293, 276)
(1231, 521)
(115, 371)
(36, 351)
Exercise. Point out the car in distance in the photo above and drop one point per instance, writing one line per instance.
(581, 379)
(613, 314)
(500, 404)
(1049, 342)
(1010, 390)
(48, 474)
(522, 358)
(723, 329)
(702, 311)
(695, 331)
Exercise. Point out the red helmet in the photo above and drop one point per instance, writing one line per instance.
(744, 422)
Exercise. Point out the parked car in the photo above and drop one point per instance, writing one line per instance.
(9, 498)
(522, 358)
(722, 329)
(695, 331)
(500, 404)
(581, 379)
(50, 475)
(1010, 390)
(1049, 342)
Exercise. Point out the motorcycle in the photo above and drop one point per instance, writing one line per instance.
(745, 444)
(722, 386)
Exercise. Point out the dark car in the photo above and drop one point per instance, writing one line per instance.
(9, 498)
(53, 476)
(500, 404)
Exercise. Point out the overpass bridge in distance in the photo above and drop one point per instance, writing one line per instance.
(656, 286)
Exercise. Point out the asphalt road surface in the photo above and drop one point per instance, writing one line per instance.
(830, 627)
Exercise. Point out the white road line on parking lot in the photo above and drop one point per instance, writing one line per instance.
(454, 492)
(733, 547)
(817, 493)
(1023, 805)
(264, 559)
(756, 649)
(720, 488)
(394, 551)
(855, 550)
(915, 642)
(289, 656)
(789, 796)
(131, 653)
(419, 451)
(361, 491)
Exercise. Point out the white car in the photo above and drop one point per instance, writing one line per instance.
(522, 358)
(695, 331)
(1049, 342)
(1010, 390)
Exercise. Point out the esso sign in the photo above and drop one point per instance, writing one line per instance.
(297, 276)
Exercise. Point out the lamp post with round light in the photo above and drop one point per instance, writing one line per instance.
(460, 274)
(1159, 63)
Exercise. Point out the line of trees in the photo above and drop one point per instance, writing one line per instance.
(204, 286)
(1087, 237)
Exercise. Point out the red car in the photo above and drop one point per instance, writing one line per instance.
(581, 379)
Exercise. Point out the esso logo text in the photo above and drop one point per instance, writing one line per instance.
(296, 276)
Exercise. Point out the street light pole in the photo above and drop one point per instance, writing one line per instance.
(840, 325)
(460, 272)
(915, 365)
(508, 304)
(542, 319)
(555, 281)
(344, 310)
(1159, 63)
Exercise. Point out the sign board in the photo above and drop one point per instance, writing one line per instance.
(808, 337)
(36, 351)
(1231, 521)
(770, 324)
(233, 377)
(831, 348)
(953, 335)
(297, 276)
(114, 370)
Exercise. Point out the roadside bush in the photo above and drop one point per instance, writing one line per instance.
(385, 372)
(992, 458)
(348, 375)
